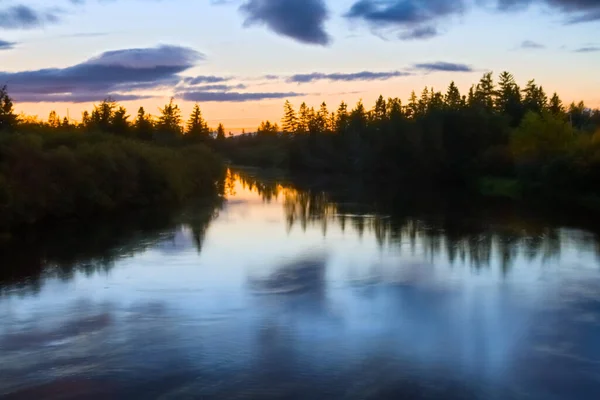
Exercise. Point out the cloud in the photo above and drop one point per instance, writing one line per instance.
(443, 66)
(420, 19)
(576, 11)
(221, 88)
(236, 97)
(588, 49)
(404, 12)
(84, 35)
(115, 73)
(198, 80)
(531, 45)
(425, 32)
(25, 17)
(148, 58)
(415, 18)
(356, 76)
(584, 17)
(78, 97)
(301, 20)
(4, 45)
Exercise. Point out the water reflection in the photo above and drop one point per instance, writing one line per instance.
(95, 246)
(472, 233)
(300, 275)
(305, 289)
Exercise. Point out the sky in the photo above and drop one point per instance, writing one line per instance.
(241, 59)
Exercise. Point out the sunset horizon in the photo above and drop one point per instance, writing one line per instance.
(245, 59)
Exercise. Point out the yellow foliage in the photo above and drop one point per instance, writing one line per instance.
(541, 136)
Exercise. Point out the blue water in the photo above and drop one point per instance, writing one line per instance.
(283, 292)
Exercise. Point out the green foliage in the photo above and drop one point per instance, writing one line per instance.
(541, 136)
(71, 174)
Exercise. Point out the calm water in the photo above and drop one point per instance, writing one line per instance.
(305, 291)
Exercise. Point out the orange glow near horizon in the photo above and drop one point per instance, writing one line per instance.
(248, 115)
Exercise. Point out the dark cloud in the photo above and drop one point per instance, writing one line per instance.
(531, 45)
(220, 88)
(4, 45)
(234, 97)
(425, 32)
(25, 17)
(415, 18)
(584, 17)
(404, 12)
(356, 76)
(419, 19)
(443, 66)
(575, 11)
(588, 49)
(78, 97)
(198, 80)
(115, 73)
(301, 20)
(581, 7)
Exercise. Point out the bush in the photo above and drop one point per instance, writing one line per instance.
(74, 174)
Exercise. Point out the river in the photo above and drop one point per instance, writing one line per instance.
(305, 290)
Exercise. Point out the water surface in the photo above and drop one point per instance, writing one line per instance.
(305, 289)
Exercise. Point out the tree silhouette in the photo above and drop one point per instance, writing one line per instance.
(484, 93)
(103, 114)
(85, 120)
(289, 123)
(143, 125)
(169, 121)
(267, 129)
(8, 118)
(303, 119)
(453, 99)
(508, 100)
(221, 132)
(535, 99)
(53, 119)
(197, 128)
(555, 105)
(119, 124)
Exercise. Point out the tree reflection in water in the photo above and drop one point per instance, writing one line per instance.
(95, 246)
(463, 230)
(468, 231)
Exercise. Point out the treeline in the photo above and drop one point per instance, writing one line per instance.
(166, 128)
(496, 130)
(56, 169)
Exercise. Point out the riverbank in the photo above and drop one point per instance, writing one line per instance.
(73, 175)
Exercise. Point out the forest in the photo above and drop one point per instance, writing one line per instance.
(499, 138)
(54, 169)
